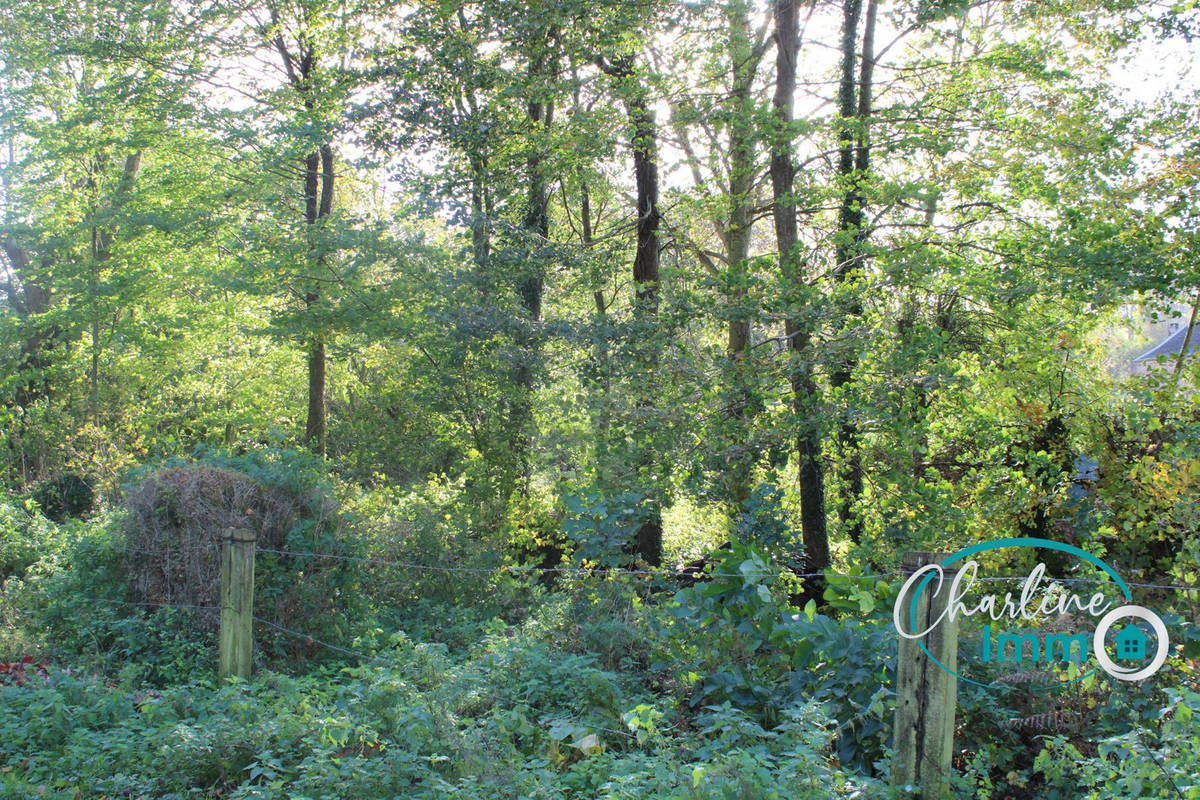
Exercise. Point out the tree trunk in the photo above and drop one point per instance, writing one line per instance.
(742, 137)
(645, 173)
(598, 371)
(540, 115)
(915, 415)
(648, 543)
(854, 107)
(102, 240)
(1177, 372)
(805, 395)
(481, 245)
(314, 427)
(30, 299)
(537, 213)
(318, 204)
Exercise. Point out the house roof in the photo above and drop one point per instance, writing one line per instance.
(1131, 630)
(1172, 345)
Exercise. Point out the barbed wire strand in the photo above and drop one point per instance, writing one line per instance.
(131, 603)
(603, 571)
(600, 571)
(305, 637)
(597, 572)
(310, 639)
(147, 604)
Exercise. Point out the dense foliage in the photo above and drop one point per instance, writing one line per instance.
(585, 371)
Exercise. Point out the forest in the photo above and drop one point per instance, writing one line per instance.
(584, 385)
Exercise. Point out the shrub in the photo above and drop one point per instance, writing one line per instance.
(391, 730)
(601, 527)
(743, 646)
(69, 495)
(1160, 761)
(432, 548)
(177, 512)
(764, 523)
(24, 536)
(849, 666)
(747, 646)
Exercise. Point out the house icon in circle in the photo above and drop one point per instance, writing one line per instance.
(1131, 643)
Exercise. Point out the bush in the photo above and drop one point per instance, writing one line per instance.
(747, 647)
(744, 647)
(24, 536)
(431, 549)
(69, 496)
(602, 527)
(178, 511)
(1145, 762)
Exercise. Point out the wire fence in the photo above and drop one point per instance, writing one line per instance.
(581, 572)
(308, 638)
(668, 572)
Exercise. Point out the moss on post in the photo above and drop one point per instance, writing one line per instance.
(237, 604)
(926, 694)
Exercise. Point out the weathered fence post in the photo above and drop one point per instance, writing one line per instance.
(237, 603)
(926, 695)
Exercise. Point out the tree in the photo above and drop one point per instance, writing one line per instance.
(798, 330)
(644, 148)
(854, 111)
(540, 33)
(294, 32)
(715, 121)
(91, 94)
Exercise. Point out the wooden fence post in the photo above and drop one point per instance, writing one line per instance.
(237, 603)
(926, 695)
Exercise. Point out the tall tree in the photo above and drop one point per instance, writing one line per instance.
(543, 65)
(798, 328)
(101, 251)
(293, 34)
(90, 93)
(27, 293)
(644, 147)
(746, 50)
(854, 112)
(719, 136)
